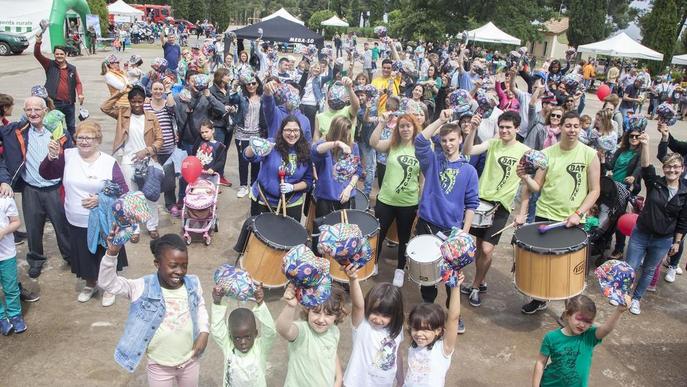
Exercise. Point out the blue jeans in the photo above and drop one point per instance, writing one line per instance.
(369, 159)
(645, 250)
(532, 207)
(69, 111)
(10, 286)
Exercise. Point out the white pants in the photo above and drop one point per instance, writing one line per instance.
(151, 224)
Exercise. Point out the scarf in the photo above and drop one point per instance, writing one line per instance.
(551, 136)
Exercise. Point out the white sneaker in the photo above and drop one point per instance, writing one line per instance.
(243, 191)
(108, 299)
(613, 302)
(670, 274)
(86, 294)
(634, 307)
(375, 271)
(399, 276)
(678, 270)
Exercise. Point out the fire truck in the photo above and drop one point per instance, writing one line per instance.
(156, 13)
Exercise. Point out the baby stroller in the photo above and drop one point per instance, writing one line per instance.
(199, 214)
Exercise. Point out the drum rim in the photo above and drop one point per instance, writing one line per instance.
(548, 251)
(273, 244)
(584, 286)
(367, 199)
(368, 235)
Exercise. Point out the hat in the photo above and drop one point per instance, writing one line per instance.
(337, 96)
(135, 59)
(83, 114)
(286, 96)
(636, 123)
(303, 268)
(235, 282)
(311, 297)
(131, 208)
(459, 101)
(345, 167)
(112, 58)
(39, 91)
(666, 114)
(340, 241)
(549, 97)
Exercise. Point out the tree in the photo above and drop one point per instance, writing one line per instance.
(99, 7)
(318, 17)
(587, 21)
(180, 9)
(220, 14)
(660, 30)
(197, 10)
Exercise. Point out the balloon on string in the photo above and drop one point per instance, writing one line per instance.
(191, 168)
(626, 223)
(602, 92)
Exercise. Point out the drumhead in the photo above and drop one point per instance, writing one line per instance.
(360, 201)
(557, 241)
(424, 248)
(368, 224)
(278, 230)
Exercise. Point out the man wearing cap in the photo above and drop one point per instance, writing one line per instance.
(62, 82)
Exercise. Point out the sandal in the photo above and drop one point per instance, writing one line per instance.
(153, 234)
(135, 238)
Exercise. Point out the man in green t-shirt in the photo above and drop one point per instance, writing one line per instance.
(497, 186)
(568, 187)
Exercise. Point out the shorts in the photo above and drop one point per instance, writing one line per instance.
(500, 218)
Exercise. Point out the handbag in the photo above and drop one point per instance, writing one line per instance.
(141, 172)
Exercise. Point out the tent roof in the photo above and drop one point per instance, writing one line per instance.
(680, 59)
(334, 21)
(491, 34)
(285, 14)
(621, 45)
(279, 29)
(119, 7)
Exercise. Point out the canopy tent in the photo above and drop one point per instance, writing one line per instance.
(680, 60)
(489, 33)
(119, 7)
(623, 46)
(279, 29)
(284, 14)
(334, 21)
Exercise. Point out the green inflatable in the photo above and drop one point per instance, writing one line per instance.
(58, 15)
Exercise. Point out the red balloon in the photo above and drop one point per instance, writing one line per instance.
(191, 168)
(602, 92)
(626, 223)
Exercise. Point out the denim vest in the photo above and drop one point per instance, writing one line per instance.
(145, 316)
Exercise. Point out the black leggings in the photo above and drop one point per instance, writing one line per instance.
(310, 111)
(404, 217)
(241, 145)
(429, 293)
(326, 207)
(257, 209)
(381, 169)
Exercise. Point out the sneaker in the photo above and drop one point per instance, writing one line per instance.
(670, 274)
(678, 270)
(108, 299)
(18, 324)
(224, 181)
(86, 294)
(27, 296)
(465, 289)
(461, 326)
(375, 271)
(613, 302)
(651, 289)
(634, 307)
(534, 306)
(399, 276)
(483, 287)
(5, 326)
(474, 298)
(243, 191)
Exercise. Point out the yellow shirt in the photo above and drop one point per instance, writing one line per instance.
(382, 83)
(499, 182)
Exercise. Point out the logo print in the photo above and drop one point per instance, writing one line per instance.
(410, 165)
(290, 167)
(506, 163)
(448, 179)
(576, 171)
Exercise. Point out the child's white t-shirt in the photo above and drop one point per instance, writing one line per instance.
(427, 368)
(7, 208)
(373, 358)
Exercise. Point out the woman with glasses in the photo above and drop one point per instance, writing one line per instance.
(248, 120)
(83, 171)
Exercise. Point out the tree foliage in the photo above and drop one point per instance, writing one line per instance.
(99, 7)
(660, 28)
(587, 21)
(318, 17)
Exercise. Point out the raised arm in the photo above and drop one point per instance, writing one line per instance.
(109, 106)
(285, 322)
(610, 324)
(357, 298)
(375, 138)
(468, 145)
(432, 128)
(451, 331)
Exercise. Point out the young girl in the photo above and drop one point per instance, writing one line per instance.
(211, 153)
(433, 335)
(313, 358)
(167, 319)
(570, 348)
(377, 321)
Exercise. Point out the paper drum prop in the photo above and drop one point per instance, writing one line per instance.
(345, 168)
(363, 256)
(448, 275)
(459, 101)
(666, 113)
(54, 122)
(235, 282)
(615, 278)
(131, 208)
(459, 249)
(317, 295)
(533, 160)
(303, 268)
(340, 241)
(260, 146)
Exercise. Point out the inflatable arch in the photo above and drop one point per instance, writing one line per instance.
(58, 14)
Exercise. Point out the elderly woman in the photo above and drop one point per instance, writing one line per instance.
(139, 136)
(115, 78)
(84, 170)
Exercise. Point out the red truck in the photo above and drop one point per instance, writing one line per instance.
(156, 13)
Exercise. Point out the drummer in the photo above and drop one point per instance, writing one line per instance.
(568, 187)
(450, 192)
(497, 186)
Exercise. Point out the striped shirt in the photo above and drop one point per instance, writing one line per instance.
(251, 122)
(165, 120)
(36, 152)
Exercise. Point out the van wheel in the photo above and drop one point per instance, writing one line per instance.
(5, 49)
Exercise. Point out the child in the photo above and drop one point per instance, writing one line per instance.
(377, 321)
(313, 361)
(167, 319)
(10, 310)
(245, 353)
(211, 153)
(570, 348)
(433, 335)
(586, 134)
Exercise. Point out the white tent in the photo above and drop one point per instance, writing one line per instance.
(491, 34)
(123, 12)
(623, 46)
(680, 59)
(334, 21)
(285, 14)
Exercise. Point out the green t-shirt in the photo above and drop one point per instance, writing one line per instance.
(401, 185)
(570, 358)
(620, 171)
(325, 118)
(499, 182)
(565, 185)
(312, 357)
(375, 53)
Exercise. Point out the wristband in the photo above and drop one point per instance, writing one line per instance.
(578, 213)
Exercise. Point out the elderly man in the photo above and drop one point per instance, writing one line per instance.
(26, 145)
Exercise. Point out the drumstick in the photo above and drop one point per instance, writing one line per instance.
(282, 174)
(548, 227)
(503, 229)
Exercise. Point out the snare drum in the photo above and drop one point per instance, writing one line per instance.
(369, 225)
(550, 266)
(271, 238)
(484, 215)
(424, 254)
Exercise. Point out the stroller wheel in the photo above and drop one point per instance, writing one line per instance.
(187, 239)
(208, 240)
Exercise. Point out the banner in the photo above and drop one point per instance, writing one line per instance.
(93, 21)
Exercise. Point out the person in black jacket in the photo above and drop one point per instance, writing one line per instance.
(662, 222)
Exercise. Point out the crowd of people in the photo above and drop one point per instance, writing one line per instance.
(438, 129)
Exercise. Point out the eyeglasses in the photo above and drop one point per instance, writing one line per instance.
(555, 115)
(35, 110)
(291, 131)
(635, 136)
(85, 139)
(669, 167)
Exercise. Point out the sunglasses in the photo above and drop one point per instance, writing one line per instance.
(634, 136)
(555, 115)
(251, 84)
